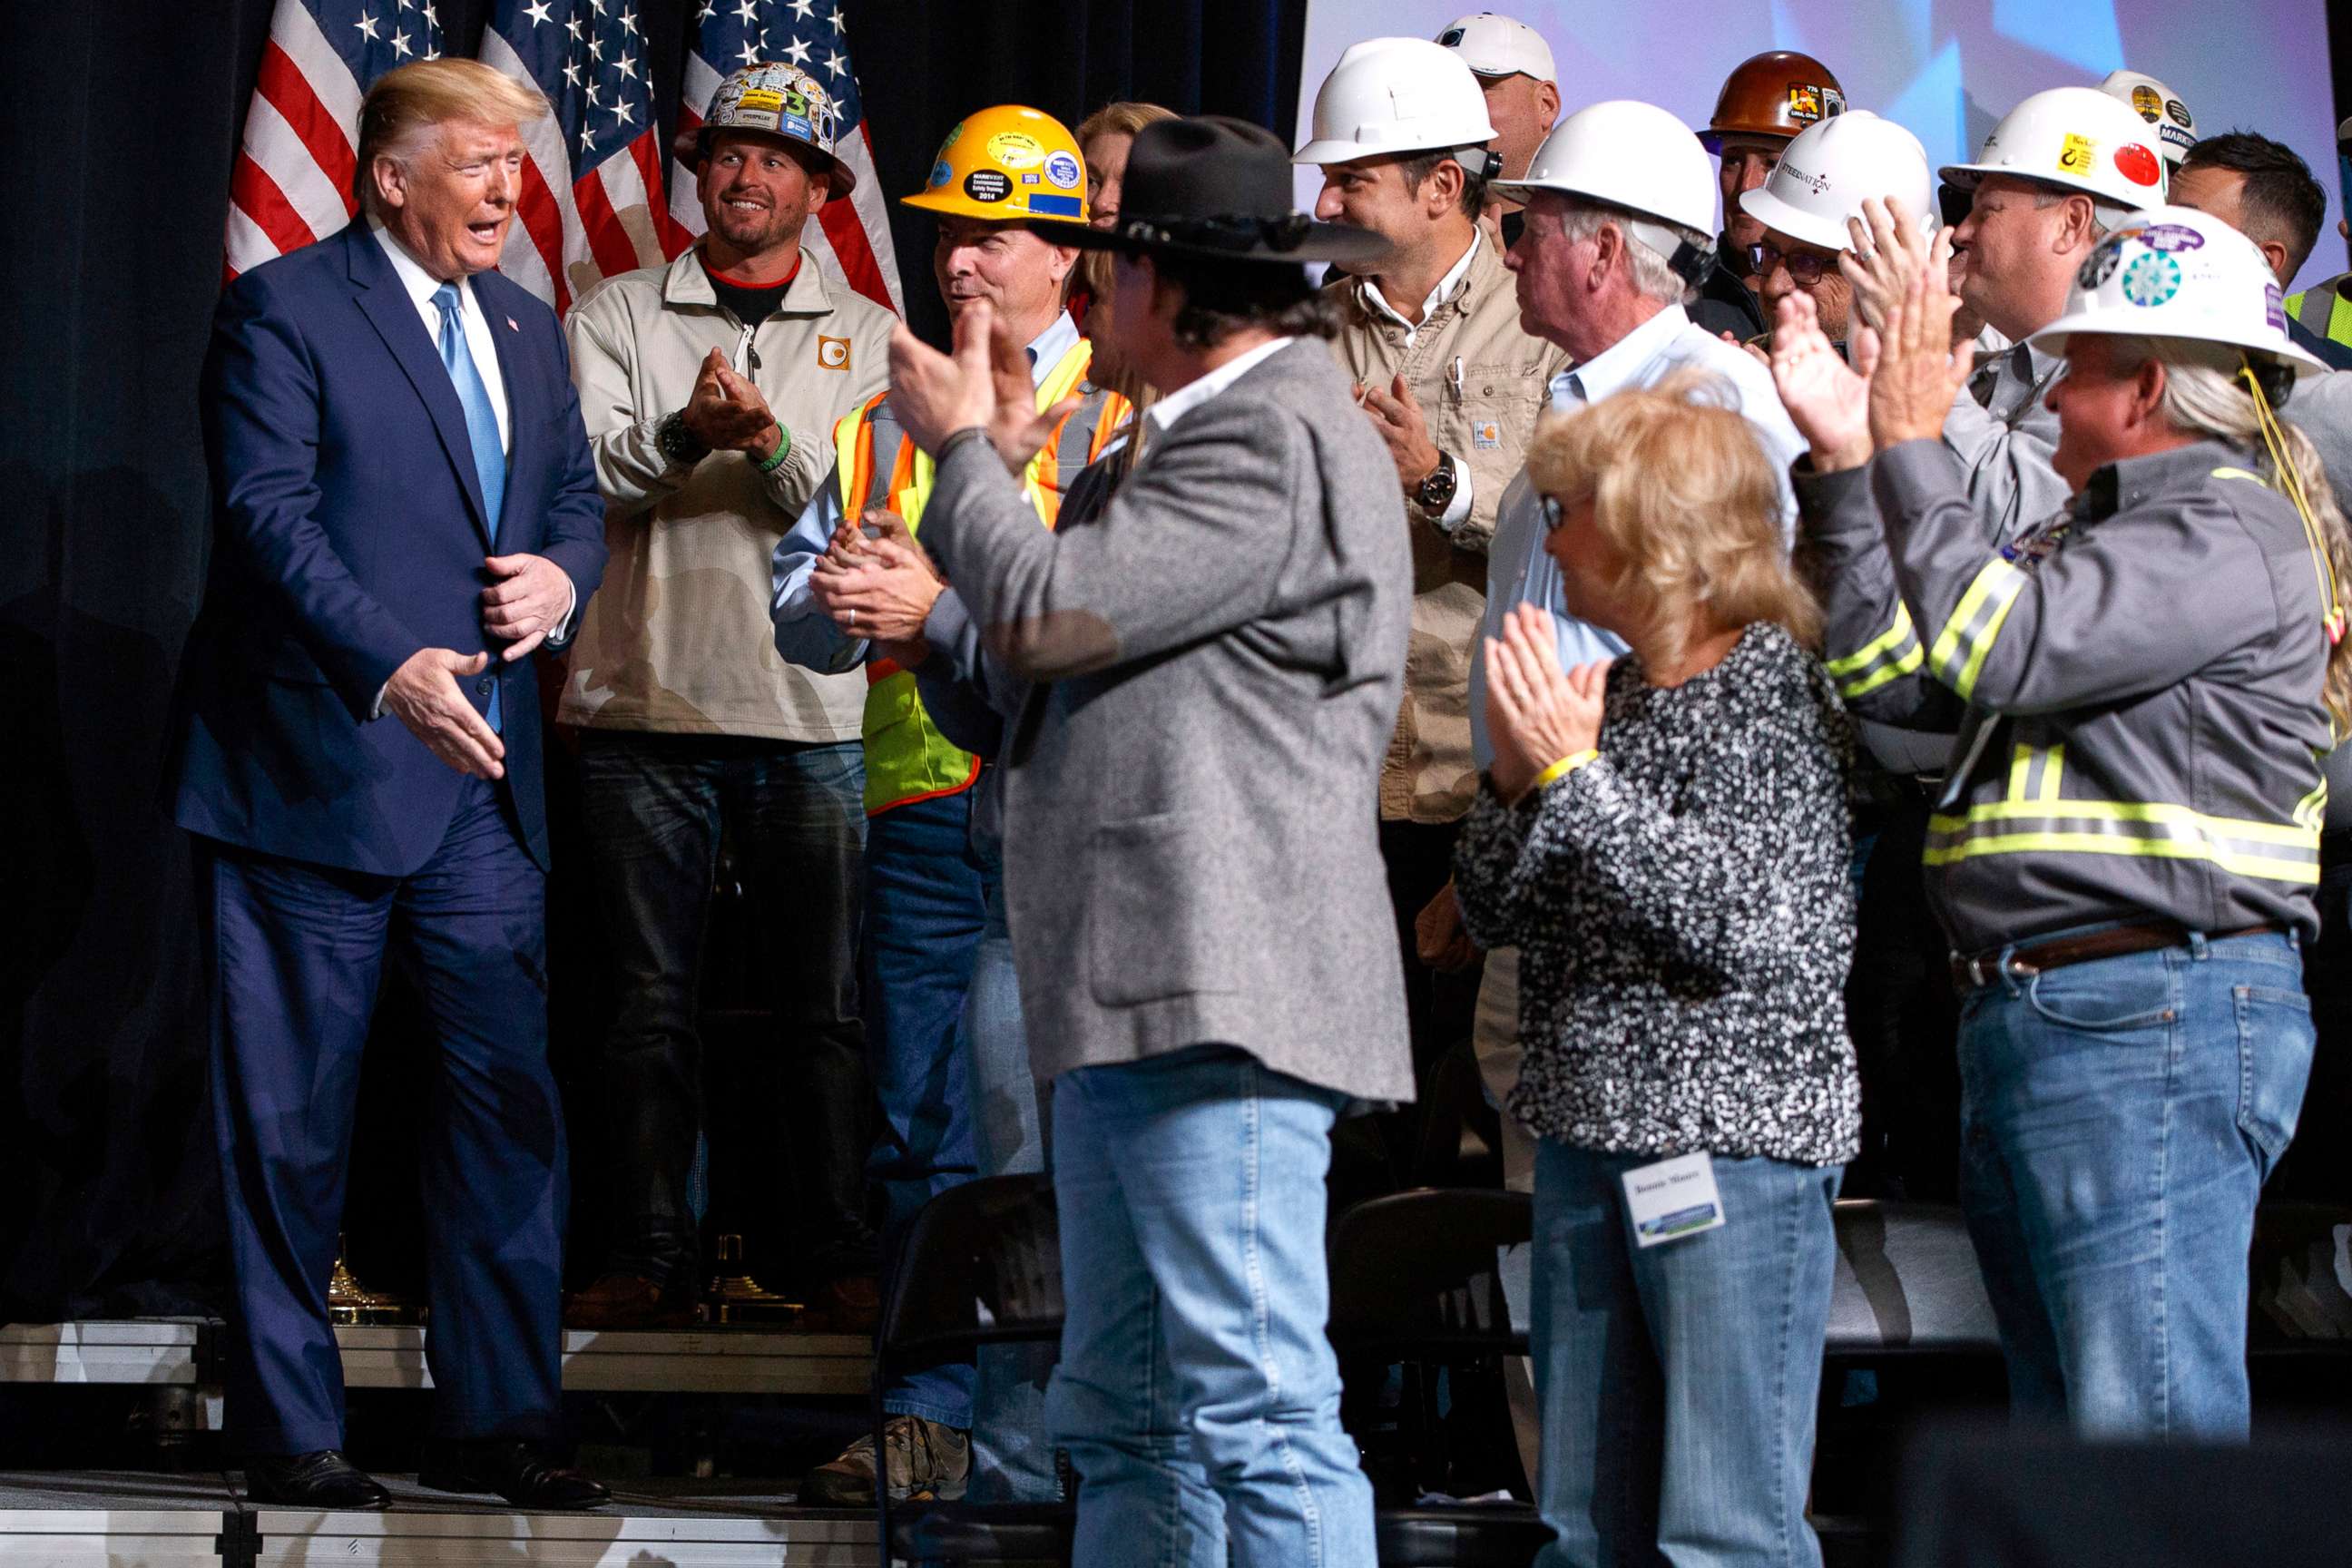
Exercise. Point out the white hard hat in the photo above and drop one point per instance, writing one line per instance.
(1499, 46)
(1629, 154)
(1831, 167)
(2175, 272)
(2176, 128)
(1396, 95)
(2073, 137)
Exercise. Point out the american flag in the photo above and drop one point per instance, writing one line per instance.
(853, 234)
(590, 205)
(293, 178)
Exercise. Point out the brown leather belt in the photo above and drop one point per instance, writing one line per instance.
(1972, 970)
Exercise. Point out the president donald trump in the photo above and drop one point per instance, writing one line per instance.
(404, 510)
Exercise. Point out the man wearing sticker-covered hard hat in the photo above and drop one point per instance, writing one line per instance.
(1007, 186)
(2126, 841)
(1766, 101)
(710, 388)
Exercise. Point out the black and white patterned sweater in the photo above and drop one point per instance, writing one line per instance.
(1684, 917)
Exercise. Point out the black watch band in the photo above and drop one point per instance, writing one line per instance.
(678, 446)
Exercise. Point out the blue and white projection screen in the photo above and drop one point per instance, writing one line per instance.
(1947, 69)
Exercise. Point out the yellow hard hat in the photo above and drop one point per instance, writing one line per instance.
(1008, 164)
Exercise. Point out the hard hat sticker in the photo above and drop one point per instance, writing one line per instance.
(953, 136)
(2102, 264)
(2078, 155)
(1063, 169)
(2169, 236)
(761, 98)
(1804, 101)
(2151, 280)
(2138, 164)
(2149, 102)
(1044, 206)
(1832, 101)
(2273, 308)
(987, 185)
(942, 173)
(2178, 112)
(832, 353)
(1016, 150)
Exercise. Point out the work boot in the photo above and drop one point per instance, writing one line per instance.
(928, 1459)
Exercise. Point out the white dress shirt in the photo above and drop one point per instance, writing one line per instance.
(1519, 571)
(421, 286)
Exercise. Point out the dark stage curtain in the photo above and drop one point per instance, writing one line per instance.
(118, 124)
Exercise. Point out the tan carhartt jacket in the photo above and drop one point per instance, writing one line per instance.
(1479, 381)
(677, 639)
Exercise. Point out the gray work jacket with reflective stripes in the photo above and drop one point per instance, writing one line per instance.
(2141, 679)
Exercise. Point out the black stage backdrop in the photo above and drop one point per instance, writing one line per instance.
(118, 122)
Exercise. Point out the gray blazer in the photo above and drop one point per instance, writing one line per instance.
(1191, 827)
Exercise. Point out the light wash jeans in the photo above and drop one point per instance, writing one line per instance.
(1679, 1381)
(1012, 1457)
(1197, 1393)
(2118, 1119)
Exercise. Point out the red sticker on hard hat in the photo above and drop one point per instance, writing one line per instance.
(2138, 164)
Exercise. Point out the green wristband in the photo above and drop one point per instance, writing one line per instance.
(783, 449)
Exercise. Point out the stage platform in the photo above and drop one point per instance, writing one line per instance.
(185, 1352)
(136, 1519)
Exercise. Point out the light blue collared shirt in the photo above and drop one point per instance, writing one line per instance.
(805, 634)
(1517, 569)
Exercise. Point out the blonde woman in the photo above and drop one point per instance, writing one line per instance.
(1663, 837)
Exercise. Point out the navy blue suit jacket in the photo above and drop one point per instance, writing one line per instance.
(348, 533)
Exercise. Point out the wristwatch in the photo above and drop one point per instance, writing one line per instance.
(680, 447)
(1435, 491)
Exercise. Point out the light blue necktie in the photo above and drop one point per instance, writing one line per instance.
(481, 425)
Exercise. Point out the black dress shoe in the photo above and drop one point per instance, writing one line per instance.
(512, 1470)
(320, 1479)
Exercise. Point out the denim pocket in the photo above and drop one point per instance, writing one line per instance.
(2105, 997)
(2275, 1046)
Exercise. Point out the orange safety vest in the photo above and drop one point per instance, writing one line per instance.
(906, 758)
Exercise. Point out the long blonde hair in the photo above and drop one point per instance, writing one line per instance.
(1683, 492)
(1092, 274)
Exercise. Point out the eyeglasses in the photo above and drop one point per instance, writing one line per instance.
(1805, 265)
(1554, 514)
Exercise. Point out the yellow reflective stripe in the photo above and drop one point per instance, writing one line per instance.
(1866, 655)
(1959, 652)
(2052, 768)
(1865, 685)
(2311, 811)
(2241, 474)
(2149, 811)
(2154, 829)
(1891, 655)
(2275, 870)
(2021, 766)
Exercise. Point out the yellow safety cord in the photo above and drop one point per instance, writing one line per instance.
(2333, 616)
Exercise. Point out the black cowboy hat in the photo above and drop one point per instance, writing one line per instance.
(1218, 188)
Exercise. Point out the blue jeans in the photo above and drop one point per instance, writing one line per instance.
(1679, 1382)
(2118, 1120)
(926, 904)
(1197, 1393)
(654, 806)
(1012, 1457)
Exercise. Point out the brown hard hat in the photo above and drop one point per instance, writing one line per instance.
(1774, 94)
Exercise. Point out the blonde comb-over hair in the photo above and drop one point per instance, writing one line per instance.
(408, 104)
(1683, 492)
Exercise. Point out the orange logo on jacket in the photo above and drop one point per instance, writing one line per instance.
(832, 353)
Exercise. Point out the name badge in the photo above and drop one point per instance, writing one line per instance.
(1673, 1199)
